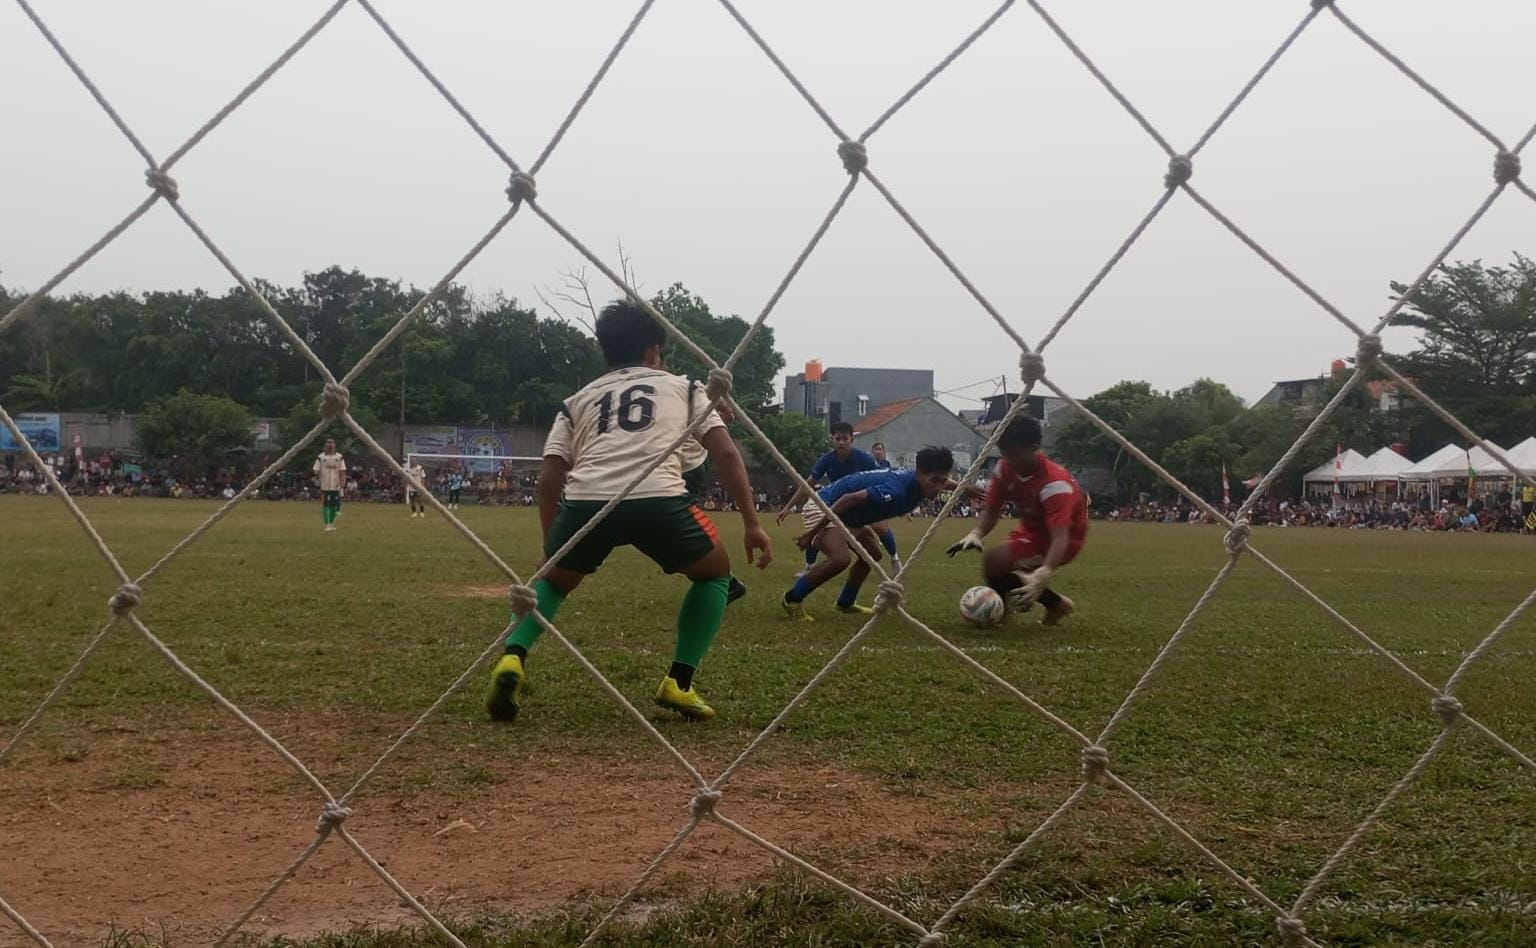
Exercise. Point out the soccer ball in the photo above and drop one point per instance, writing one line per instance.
(982, 607)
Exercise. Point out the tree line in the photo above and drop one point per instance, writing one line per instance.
(1476, 356)
(199, 366)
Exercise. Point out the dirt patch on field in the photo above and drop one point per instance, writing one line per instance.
(180, 831)
(455, 591)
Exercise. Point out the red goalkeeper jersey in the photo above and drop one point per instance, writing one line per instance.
(1051, 498)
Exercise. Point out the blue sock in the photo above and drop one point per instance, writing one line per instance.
(810, 557)
(889, 539)
(849, 595)
(799, 590)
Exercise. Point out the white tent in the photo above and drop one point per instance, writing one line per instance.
(1524, 455)
(1448, 462)
(1341, 468)
(1385, 465)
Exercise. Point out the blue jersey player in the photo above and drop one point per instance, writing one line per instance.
(863, 501)
(844, 460)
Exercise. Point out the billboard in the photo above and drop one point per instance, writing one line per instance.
(40, 429)
(485, 442)
(431, 439)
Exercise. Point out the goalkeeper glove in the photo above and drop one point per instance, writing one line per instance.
(971, 541)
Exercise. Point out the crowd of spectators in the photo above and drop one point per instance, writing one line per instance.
(1498, 512)
(113, 475)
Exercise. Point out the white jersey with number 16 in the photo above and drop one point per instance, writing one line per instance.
(611, 430)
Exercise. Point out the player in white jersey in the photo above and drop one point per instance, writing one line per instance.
(417, 470)
(604, 437)
(331, 471)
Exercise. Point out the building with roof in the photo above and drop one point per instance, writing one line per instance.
(840, 393)
(910, 424)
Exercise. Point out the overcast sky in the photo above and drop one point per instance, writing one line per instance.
(701, 158)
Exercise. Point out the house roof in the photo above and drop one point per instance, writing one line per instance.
(885, 414)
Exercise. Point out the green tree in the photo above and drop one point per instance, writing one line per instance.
(305, 414)
(800, 439)
(194, 432)
(1477, 353)
(755, 376)
(1198, 460)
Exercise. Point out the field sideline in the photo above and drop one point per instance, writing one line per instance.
(1269, 735)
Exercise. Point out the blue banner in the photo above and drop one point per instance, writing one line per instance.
(41, 430)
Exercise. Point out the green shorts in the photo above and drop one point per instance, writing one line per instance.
(672, 531)
(694, 481)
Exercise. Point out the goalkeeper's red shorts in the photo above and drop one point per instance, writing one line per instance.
(1028, 548)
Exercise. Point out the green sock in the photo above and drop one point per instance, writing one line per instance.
(529, 630)
(699, 620)
(325, 512)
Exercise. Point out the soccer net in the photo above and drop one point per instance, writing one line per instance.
(1089, 747)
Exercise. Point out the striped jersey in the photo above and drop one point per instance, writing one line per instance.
(615, 427)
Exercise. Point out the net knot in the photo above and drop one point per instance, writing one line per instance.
(703, 803)
(719, 385)
(854, 155)
(332, 815)
(932, 940)
(1370, 349)
(1292, 930)
(164, 184)
(1448, 707)
(522, 187)
(890, 595)
(1236, 539)
(127, 597)
(524, 599)
(335, 400)
(1095, 762)
(1032, 367)
(1506, 167)
(1179, 170)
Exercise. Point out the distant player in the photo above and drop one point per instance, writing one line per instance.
(604, 436)
(694, 459)
(877, 450)
(417, 470)
(455, 487)
(331, 473)
(844, 459)
(1053, 522)
(862, 501)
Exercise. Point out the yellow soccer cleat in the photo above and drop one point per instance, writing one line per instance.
(856, 610)
(506, 695)
(687, 703)
(796, 611)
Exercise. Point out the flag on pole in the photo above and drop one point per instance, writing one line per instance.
(1226, 489)
(1338, 465)
(1471, 475)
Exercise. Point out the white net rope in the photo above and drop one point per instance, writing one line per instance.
(1092, 753)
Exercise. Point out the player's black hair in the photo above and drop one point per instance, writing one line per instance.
(842, 427)
(877, 444)
(625, 330)
(932, 460)
(1022, 432)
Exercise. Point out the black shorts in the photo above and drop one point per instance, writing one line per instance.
(672, 531)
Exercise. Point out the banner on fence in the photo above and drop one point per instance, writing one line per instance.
(431, 439)
(40, 429)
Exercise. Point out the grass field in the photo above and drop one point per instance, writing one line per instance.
(1269, 734)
